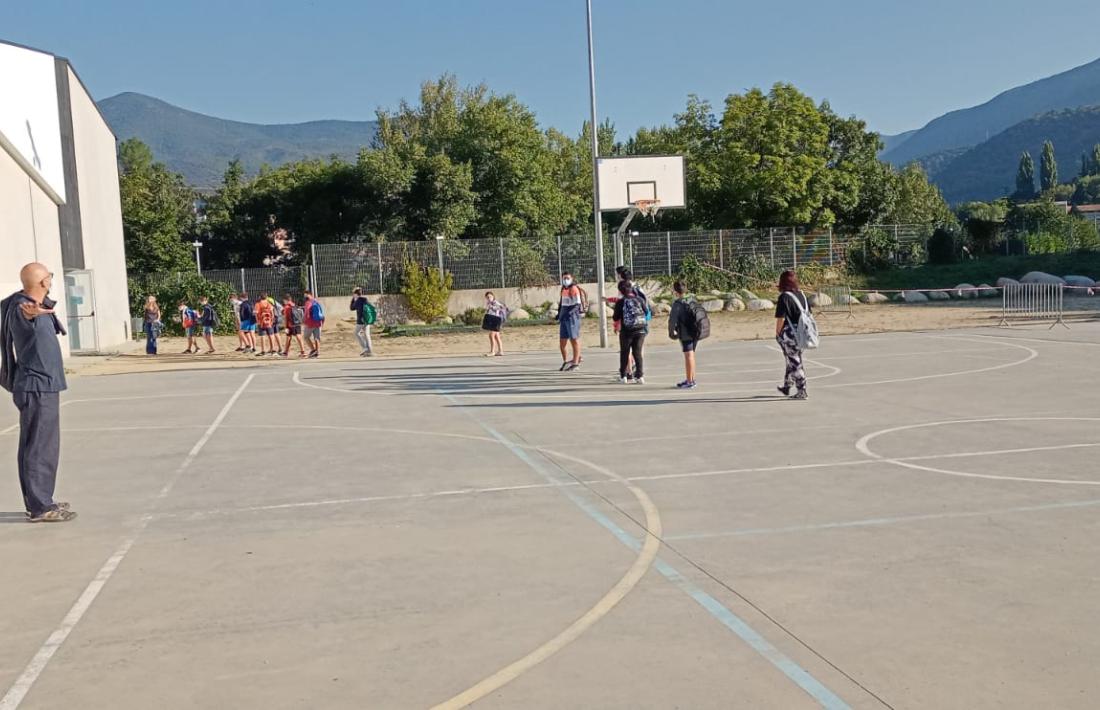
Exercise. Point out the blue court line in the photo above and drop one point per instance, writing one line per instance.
(799, 675)
(870, 522)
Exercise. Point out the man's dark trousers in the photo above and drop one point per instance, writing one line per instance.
(39, 447)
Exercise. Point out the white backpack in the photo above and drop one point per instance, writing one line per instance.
(805, 333)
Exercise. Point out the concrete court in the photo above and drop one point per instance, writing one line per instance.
(389, 534)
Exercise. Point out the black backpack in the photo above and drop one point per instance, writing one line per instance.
(699, 320)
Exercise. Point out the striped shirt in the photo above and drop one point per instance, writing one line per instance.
(570, 301)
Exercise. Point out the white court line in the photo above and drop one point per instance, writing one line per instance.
(18, 691)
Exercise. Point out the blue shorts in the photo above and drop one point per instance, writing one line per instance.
(247, 326)
(208, 330)
(189, 331)
(569, 329)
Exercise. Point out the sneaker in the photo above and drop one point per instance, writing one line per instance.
(283, 355)
(801, 394)
(314, 354)
(54, 515)
(623, 380)
(564, 366)
(572, 366)
(239, 350)
(785, 390)
(686, 385)
(639, 380)
(261, 353)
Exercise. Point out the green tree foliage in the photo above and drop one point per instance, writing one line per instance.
(1048, 169)
(1047, 228)
(158, 212)
(942, 247)
(982, 223)
(1025, 178)
(235, 234)
(1094, 160)
(1087, 190)
(170, 289)
(917, 201)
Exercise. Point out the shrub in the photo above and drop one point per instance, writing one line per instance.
(942, 247)
(427, 290)
(184, 287)
(473, 316)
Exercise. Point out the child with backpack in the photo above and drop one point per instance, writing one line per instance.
(630, 313)
(313, 321)
(189, 319)
(209, 323)
(293, 316)
(277, 324)
(265, 325)
(571, 307)
(495, 315)
(688, 322)
(625, 274)
(248, 325)
(795, 331)
(365, 316)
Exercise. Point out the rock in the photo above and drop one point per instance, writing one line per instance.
(1040, 277)
(713, 305)
(1083, 281)
(817, 300)
(717, 293)
(1005, 281)
(747, 295)
(875, 297)
(987, 291)
(413, 321)
(735, 304)
(760, 304)
(938, 296)
(519, 314)
(914, 297)
(850, 300)
(661, 309)
(965, 291)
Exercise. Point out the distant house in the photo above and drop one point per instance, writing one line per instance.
(1089, 212)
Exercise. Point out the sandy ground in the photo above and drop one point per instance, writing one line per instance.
(339, 341)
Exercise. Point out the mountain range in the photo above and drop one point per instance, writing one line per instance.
(199, 146)
(972, 153)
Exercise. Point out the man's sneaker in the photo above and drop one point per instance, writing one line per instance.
(801, 394)
(55, 515)
(785, 390)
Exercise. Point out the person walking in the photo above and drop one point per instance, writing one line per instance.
(32, 370)
(265, 325)
(188, 319)
(151, 324)
(624, 274)
(314, 320)
(277, 324)
(248, 325)
(792, 304)
(293, 316)
(365, 316)
(209, 320)
(682, 326)
(630, 314)
(235, 302)
(495, 315)
(570, 312)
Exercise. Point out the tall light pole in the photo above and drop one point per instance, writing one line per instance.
(198, 262)
(600, 287)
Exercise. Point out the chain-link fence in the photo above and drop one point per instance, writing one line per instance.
(273, 280)
(377, 267)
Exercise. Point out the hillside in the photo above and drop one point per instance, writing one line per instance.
(891, 142)
(200, 146)
(969, 127)
(988, 171)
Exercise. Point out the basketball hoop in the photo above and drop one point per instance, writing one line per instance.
(649, 208)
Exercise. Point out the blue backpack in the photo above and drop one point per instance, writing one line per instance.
(316, 312)
(634, 313)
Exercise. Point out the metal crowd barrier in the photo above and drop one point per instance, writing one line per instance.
(840, 298)
(1033, 302)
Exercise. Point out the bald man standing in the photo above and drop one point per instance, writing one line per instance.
(32, 370)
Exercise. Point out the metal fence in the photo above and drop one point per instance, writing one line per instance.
(1033, 302)
(502, 263)
(377, 267)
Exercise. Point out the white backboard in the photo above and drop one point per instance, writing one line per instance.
(30, 119)
(624, 181)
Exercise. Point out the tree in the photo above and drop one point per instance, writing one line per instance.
(1048, 169)
(917, 201)
(1085, 168)
(236, 236)
(158, 213)
(1094, 161)
(1025, 178)
(983, 222)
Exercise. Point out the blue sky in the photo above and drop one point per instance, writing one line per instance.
(896, 64)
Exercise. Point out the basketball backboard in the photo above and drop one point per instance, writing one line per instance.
(628, 180)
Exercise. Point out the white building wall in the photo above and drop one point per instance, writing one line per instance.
(100, 216)
(29, 231)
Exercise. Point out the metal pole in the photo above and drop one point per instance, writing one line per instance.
(503, 284)
(439, 252)
(830, 245)
(560, 269)
(632, 251)
(244, 289)
(794, 245)
(668, 250)
(721, 252)
(381, 272)
(313, 269)
(771, 244)
(597, 222)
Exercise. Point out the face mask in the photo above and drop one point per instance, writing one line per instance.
(567, 282)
